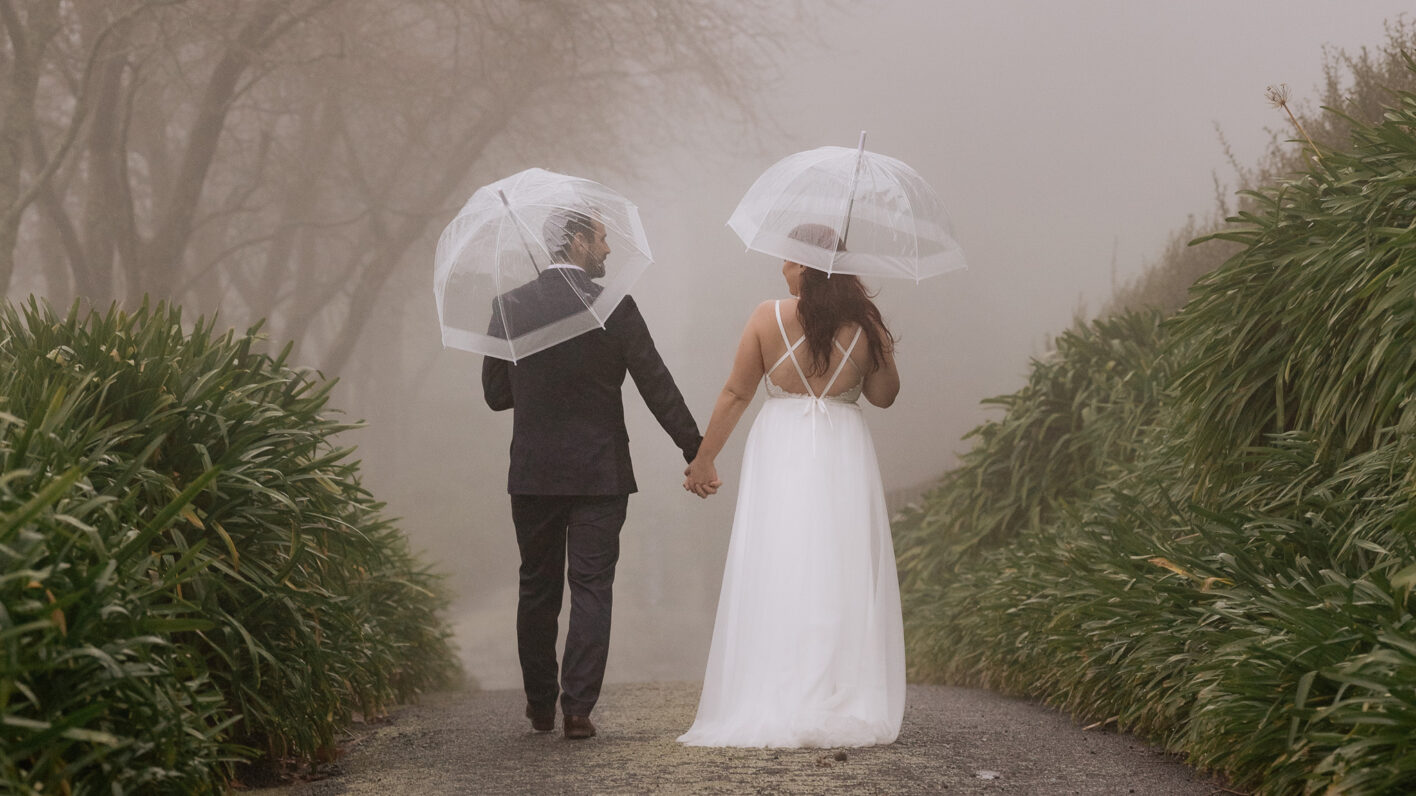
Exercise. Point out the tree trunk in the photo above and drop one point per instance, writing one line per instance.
(107, 202)
(159, 260)
(318, 127)
(391, 247)
(28, 39)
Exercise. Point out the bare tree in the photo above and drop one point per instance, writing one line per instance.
(281, 157)
(36, 39)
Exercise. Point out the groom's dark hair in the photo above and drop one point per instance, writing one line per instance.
(561, 227)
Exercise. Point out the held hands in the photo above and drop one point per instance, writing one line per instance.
(701, 478)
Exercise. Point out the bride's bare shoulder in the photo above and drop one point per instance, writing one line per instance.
(768, 308)
(764, 313)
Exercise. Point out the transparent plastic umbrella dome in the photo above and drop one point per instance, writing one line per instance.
(892, 222)
(499, 275)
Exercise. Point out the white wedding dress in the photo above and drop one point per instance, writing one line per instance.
(808, 647)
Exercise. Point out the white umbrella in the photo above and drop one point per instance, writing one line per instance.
(890, 221)
(500, 277)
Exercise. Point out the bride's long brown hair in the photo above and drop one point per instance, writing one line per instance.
(828, 302)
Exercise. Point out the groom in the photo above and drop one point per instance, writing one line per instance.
(570, 475)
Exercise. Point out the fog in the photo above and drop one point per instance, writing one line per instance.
(1067, 140)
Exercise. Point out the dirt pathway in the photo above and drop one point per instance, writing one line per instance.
(954, 740)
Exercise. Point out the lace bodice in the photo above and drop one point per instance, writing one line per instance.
(849, 395)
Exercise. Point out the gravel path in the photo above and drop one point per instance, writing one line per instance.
(954, 740)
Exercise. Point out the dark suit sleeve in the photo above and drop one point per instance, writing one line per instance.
(496, 373)
(496, 383)
(652, 379)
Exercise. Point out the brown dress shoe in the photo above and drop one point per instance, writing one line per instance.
(578, 728)
(541, 721)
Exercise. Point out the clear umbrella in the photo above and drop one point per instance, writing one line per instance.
(533, 260)
(848, 211)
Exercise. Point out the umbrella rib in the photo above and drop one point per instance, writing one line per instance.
(501, 303)
(588, 307)
(516, 222)
(914, 229)
(805, 188)
(471, 232)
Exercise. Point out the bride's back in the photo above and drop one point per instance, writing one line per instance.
(777, 364)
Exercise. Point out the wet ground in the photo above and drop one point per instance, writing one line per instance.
(953, 740)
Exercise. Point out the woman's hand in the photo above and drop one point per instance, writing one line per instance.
(701, 478)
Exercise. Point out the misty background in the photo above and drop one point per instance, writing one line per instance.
(1067, 139)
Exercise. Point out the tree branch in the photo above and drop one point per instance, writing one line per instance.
(175, 224)
(58, 216)
(174, 228)
(274, 235)
(16, 29)
(377, 269)
(81, 109)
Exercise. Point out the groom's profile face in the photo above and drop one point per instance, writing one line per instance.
(593, 248)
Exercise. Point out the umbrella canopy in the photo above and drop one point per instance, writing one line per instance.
(533, 260)
(848, 211)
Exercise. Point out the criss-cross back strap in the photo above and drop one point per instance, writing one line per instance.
(791, 354)
(791, 349)
(845, 357)
(790, 345)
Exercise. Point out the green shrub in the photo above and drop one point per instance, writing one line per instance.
(1310, 326)
(1077, 417)
(192, 574)
(1229, 570)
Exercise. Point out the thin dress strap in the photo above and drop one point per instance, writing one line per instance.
(845, 357)
(790, 345)
(791, 349)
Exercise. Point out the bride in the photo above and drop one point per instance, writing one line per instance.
(807, 647)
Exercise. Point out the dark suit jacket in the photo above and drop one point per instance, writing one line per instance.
(568, 433)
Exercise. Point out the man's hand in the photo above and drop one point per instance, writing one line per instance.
(701, 478)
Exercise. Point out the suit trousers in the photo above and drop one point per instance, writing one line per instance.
(551, 530)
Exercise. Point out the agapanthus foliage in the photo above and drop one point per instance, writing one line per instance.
(191, 574)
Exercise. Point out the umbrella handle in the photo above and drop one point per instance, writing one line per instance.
(850, 195)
